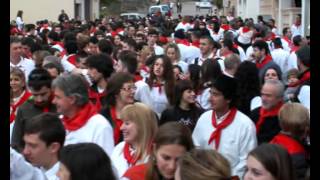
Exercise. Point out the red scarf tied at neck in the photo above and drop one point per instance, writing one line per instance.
(130, 157)
(14, 107)
(219, 127)
(264, 113)
(81, 118)
(158, 85)
(265, 61)
(117, 124)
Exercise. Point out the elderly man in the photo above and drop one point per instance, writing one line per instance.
(266, 116)
(80, 117)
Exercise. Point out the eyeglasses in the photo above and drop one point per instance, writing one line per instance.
(129, 88)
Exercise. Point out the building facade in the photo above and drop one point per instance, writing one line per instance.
(283, 11)
(35, 10)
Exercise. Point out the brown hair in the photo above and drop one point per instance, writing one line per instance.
(168, 133)
(274, 159)
(203, 164)
(294, 118)
(168, 77)
(146, 122)
(176, 49)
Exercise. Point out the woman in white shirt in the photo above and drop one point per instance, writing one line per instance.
(139, 128)
(161, 83)
(19, 20)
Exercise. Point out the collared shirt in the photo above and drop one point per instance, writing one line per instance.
(51, 173)
(26, 65)
(236, 141)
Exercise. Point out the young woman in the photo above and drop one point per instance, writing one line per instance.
(247, 75)
(269, 162)
(19, 20)
(171, 142)
(18, 93)
(84, 161)
(203, 164)
(173, 52)
(161, 82)
(185, 110)
(139, 128)
(120, 92)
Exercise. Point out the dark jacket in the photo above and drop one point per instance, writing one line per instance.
(25, 112)
(268, 129)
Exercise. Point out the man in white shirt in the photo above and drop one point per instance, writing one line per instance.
(20, 169)
(208, 48)
(16, 59)
(296, 28)
(44, 136)
(281, 57)
(80, 118)
(225, 128)
(152, 39)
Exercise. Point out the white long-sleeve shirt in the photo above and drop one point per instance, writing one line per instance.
(203, 99)
(20, 169)
(142, 93)
(236, 141)
(281, 57)
(51, 173)
(97, 130)
(159, 100)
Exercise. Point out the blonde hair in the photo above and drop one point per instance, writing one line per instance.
(294, 118)
(203, 164)
(146, 122)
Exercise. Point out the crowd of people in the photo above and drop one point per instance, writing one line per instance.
(198, 97)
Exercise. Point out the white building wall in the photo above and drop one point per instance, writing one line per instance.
(35, 10)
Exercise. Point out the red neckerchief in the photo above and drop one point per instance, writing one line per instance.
(114, 33)
(97, 96)
(219, 127)
(245, 29)
(305, 76)
(119, 30)
(72, 59)
(289, 143)
(183, 23)
(158, 85)
(265, 61)
(128, 156)
(196, 43)
(294, 49)
(144, 68)
(14, 107)
(137, 77)
(267, 113)
(117, 124)
(225, 27)
(81, 118)
(235, 45)
(137, 172)
(288, 40)
(183, 41)
(297, 24)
